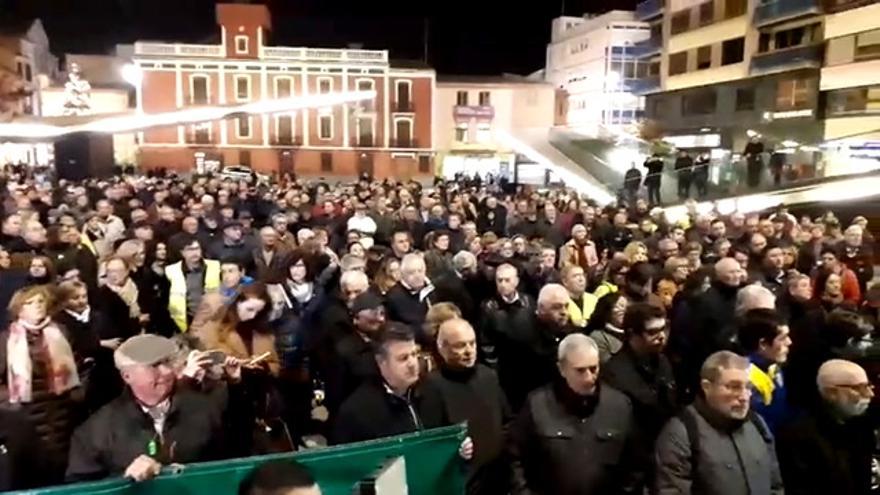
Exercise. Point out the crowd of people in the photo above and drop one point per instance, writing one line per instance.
(155, 320)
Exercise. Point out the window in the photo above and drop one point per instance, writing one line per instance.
(745, 99)
(629, 69)
(403, 133)
(484, 133)
(868, 45)
(28, 73)
(325, 127)
(404, 100)
(242, 88)
(654, 69)
(484, 98)
(241, 44)
(461, 98)
(732, 51)
(326, 162)
(283, 87)
(365, 131)
(854, 100)
(424, 164)
(659, 107)
(707, 13)
(735, 8)
(678, 63)
(793, 94)
(19, 68)
(199, 90)
(285, 129)
(790, 38)
(700, 102)
(704, 57)
(461, 133)
(365, 85)
(243, 128)
(764, 43)
(202, 133)
(325, 85)
(681, 21)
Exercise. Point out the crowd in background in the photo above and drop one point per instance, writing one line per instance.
(154, 320)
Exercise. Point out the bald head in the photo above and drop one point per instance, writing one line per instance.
(845, 387)
(728, 271)
(457, 343)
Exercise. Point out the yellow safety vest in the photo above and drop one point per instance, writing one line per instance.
(177, 297)
(580, 314)
(85, 241)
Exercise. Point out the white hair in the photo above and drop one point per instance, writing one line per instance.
(575, 342)
(551, 290)
(352, 278)
(411, 262)
(463, 259)
(753, 297)
(854, 228)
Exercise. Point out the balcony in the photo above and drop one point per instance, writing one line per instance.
(405, 143)
(801, 57)
(647, 48)
(649, 9)
(324, 54)
(835, 6)
(467, 112)
(363, 142)
(777, 11)
(178, 49)
(402, 107)
(286, 141)
(645, 85)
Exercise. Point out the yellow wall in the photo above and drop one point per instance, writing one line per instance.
(708, 76)
(851, 75)
(720, 31)
(852, 21)
(867, 127)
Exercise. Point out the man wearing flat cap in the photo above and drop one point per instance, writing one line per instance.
(153, 423)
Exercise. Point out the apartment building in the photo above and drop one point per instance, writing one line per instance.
(391, 135)
(727, 69)
(472, 110)
(592, 60)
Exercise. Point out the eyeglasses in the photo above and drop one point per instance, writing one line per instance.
(860, 388)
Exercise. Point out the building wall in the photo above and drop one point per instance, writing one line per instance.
(167, 85)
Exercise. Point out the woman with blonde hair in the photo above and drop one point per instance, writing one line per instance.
(153, 288)
(388, 274)
(40, 376)
(636, 252)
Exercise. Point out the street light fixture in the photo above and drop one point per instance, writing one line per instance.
(132, 74)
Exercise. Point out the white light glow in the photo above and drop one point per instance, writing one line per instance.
(750, 133)
(132, 74)
(137, 122)
(788, 143)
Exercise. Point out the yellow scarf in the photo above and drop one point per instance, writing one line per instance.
(764, 383)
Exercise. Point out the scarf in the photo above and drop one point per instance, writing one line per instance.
(765, 382)
(61, 367)
(128, 292)
(80, 317)
(302, 292)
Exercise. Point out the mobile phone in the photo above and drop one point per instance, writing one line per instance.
(217, 357)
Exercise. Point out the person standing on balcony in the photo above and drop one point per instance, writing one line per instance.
(754, 161)
(632, 180)
(700, 175)
(654, 164)
(684, 168)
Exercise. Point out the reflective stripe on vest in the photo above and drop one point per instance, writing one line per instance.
(177, 296)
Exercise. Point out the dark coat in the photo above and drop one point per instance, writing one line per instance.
(494, 220)
(97, 371)
(20, 455)
(271, 273)
(475, 396)
(373, 412)
(565, 445)
(116, 311)
(463, 293)
(404, 306)
(116, 435)
(527, 355)
(650, 386)
(354, 363)
(496, 316)
(818, 454)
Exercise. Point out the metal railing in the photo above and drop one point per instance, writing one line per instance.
(404, 143)
(178, 49)
(324, 54)
(789, 58)
(781, 10)
(648, 47)
(644, 85)
(649, 9)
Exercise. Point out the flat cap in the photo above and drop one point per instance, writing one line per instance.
(145, 350)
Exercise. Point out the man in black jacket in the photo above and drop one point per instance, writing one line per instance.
(527, 348)
(500, 310)
(829, 450)
(470, 392)
(641, 370)
(153, 423)
(684, 167)
(574, 436)
(395, 404)
(408, 300)
(20, 455)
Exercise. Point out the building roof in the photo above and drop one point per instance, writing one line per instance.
(409, 64)
(509, 79)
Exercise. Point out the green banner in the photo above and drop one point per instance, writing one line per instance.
(432, 468)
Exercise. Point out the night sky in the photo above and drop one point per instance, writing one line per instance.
(466, 37)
